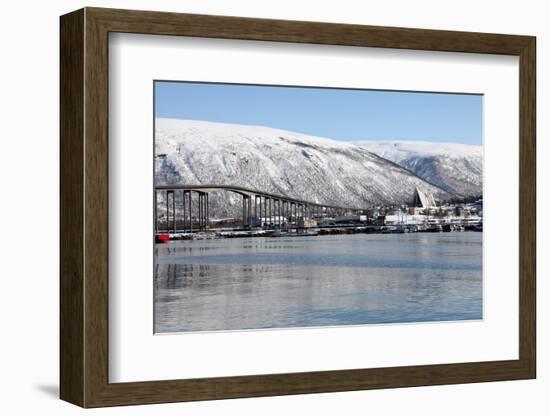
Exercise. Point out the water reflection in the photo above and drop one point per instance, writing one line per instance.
(233, 284)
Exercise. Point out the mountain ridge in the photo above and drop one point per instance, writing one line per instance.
(454, 167)
(295, 165)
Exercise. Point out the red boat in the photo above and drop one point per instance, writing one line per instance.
(162, 238)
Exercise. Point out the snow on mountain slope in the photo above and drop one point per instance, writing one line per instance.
(457, 168)
(280, 162)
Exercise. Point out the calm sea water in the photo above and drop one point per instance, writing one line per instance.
(232, 284)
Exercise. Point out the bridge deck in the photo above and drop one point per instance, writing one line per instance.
(251, 193)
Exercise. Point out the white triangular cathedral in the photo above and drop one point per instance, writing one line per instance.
(423, 200)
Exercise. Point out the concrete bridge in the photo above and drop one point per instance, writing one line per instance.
(259, 209)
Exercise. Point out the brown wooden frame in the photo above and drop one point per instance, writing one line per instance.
(84, 209)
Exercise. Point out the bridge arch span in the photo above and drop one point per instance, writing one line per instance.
(259, 209)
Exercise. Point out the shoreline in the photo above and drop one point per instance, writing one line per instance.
(315, 231)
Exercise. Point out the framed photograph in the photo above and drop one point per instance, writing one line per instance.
(255, 207)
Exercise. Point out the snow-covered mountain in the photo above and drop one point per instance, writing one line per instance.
(457, 168)
(280, 162)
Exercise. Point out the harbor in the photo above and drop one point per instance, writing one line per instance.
(333, 230)
(301, 264)
(276, 216)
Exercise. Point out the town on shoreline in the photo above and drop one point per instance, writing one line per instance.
(403, 219)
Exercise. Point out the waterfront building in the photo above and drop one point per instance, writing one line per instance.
(422, 199)
(306, 223)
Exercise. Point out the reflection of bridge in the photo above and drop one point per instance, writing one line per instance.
(259, 209)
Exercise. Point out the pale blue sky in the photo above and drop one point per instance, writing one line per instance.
(340, 114)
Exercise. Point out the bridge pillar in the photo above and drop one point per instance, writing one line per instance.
(168, 193)
(271, 212)
(204, 210)
(276, 211)
(155, 213)
(167, 209)
(285, 207)
(267, 205)
(249, 211)
(247, 204)
(282, 213)
(200, 211)
(184, 211)
(267, 212)
(207, 216)
(279, 203)
(255, 209)
(190, 212)
(262, 208)
(264, 217)
(174, 211)
(186, 222)
(289, 212)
